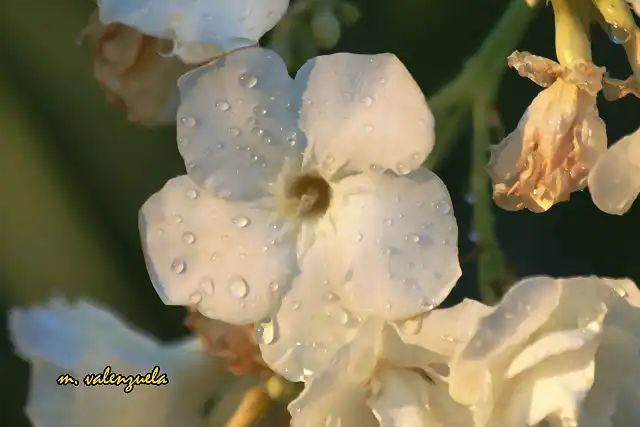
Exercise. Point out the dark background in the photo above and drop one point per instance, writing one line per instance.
(73, 173)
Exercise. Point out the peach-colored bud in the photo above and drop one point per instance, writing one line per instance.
(235, 344)
(129, 66)
(558, 140)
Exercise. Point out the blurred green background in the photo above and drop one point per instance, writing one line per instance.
(73, 173)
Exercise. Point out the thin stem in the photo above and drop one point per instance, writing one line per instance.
(485, 68)
(491, 269)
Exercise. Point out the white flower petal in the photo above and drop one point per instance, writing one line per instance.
(401, 400)
(222, 256)
(443, 331)
(79, 339)
(227, 25)
(553, 344)
(397, 237)
(236, 128)
(311, 325)
(522, 311)
(556, 387)
(364, 110)
(614, 181)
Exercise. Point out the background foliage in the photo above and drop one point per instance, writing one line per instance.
(73, 174)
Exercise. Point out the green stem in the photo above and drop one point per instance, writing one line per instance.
(484, 69)
(490, 264)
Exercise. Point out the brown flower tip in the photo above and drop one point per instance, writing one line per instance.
(558, 139)
(134, 74)
(235, 344)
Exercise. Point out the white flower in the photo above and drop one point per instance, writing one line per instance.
(562, 350)
(381, 380)
(80, 339)
(201, 29)
(614, 182)
(262, 194)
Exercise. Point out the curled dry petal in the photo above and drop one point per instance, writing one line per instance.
(129, 67)
(557, 142)
(235, 344)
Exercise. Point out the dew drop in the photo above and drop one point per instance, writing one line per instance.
(259, 111)
(178, 219)
(247, 80)
(367, 101)
(623, 293)
(358, 237)
(178, 266)
(266, 332)
(238, 286)
(295, 305)
(413, 238)
(223, 105)
(402, 169)
(330, 296)
(348, 96)
(443, 207)
(192, 194)
(274, 286)
(195, 298)
(183, 142)
(368, 128)
(618, 34)
(388, 221)
(234, 131)
(214, 256)
(206, 284)
(188, 121)
(292, 139)
(241, 221)
(188, 237)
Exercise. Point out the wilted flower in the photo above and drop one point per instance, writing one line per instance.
(79, 339)
(560, 350)
(557, 141)
(259, 200)
(614, 182)
(128, 66)
(381, 380)
(140, 49)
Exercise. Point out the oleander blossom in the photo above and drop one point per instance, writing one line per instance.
(80, 338)
(614, 182)
(391, 375)
(141, 48)
(305, 188)
(561, 351)
(557, 141)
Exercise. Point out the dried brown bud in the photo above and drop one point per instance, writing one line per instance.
(129, 66)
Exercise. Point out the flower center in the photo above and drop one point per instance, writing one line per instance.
(312, 193)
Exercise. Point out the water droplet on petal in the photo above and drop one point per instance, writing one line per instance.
(206, 284)
(413, 238)
(292, 139)
(618, 34)
(238, 286)
(368, 128)
(234, 131)
(259, 111)
(358, 237)
(266, 332)
(623, 293)
(388, 221)
(241, 221)
(223, 105)
(188, 237)
(274, 286)
(214, 256)
(330, 296)
(188, 121)
(192, 194)
(295, 305)
(402, 168)
(195, 298)
(178, 266)
(247, 80)
(443, 207)
(367, 101)
(178, 219)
